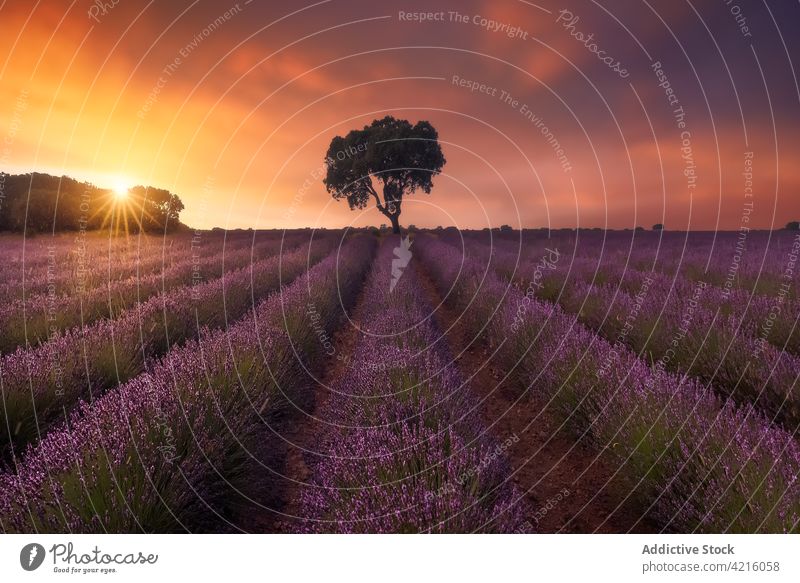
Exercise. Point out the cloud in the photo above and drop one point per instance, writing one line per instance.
(88, 83)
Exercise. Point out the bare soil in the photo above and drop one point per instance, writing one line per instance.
(304, 434)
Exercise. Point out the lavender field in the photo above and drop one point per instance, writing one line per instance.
(437, 381)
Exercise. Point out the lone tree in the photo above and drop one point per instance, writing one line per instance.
(793, 226)
(399, 156)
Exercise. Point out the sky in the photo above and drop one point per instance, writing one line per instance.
(550, 114)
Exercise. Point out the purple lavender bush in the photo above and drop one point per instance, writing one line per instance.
(697, 461)
(168, 450)
(405, 450)
(42, 384)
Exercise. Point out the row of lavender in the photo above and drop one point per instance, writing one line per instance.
(745, 346)
(686, 328)
(697, 462)
(178, 447)
(770, 319)
(33, 319)
(768, 316)
(21, 254)
(757, 262)
(405, 450)
(41, 385)
(70, 263)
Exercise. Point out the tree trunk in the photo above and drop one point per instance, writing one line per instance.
(395, 223)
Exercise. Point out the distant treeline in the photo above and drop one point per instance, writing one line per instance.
(44, 203)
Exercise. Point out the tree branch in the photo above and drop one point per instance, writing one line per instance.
(377, 198)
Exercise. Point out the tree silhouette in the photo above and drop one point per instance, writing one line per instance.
(399, 156)
(159, 208)
(40, 203)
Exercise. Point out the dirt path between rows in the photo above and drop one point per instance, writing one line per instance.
(305, 432)
(546, 462)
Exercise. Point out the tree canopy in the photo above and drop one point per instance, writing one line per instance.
(400, 157)
(158, 207)
(40, 203)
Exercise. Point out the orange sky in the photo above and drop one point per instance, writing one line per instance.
(239, 125)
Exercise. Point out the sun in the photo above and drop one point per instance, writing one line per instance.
(120, 211)
(120, 187)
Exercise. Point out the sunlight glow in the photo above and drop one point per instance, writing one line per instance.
(120, 187)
